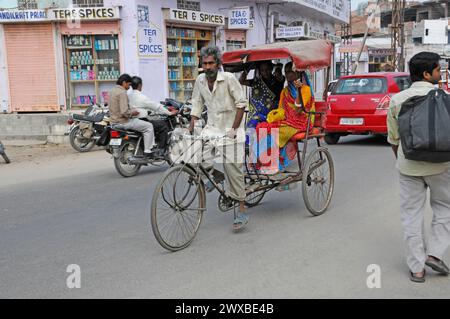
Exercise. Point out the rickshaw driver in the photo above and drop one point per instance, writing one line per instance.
(226, 102)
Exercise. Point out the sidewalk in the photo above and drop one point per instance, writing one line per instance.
(35, 128)
(20, 151)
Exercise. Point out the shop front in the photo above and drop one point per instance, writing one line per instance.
(380, 59)
(186, 33)
(90, 43)
(28, 58)
(58, 58)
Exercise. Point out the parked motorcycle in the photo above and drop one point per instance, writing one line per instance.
(3, 153)
(127, 147)
(89, 129)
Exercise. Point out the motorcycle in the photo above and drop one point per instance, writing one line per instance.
(3, 153)
(127, 147)
(89, 129)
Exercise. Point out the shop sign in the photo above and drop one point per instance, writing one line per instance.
(97, 13)
(352, 48)
(196, 17)
(381, 52)
(290, 32)
(338, 9)
(334, 38)
(23, 16)
(150, 42)
(239, 18)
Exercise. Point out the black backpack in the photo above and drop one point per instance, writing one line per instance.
(424, 127)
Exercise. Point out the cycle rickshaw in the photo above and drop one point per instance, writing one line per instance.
(179, 199)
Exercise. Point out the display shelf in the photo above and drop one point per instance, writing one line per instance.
(185, 49)
(102, 53)
(79, 48)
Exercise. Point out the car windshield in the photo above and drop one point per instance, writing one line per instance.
(369, 85)
(403, 82)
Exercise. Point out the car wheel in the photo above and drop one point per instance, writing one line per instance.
(332, 138)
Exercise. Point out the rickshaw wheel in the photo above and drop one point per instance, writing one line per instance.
(318, 181)
(177, 208)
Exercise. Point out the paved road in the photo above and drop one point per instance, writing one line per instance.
(78, 210)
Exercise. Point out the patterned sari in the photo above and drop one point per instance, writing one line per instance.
(261, 102)
(295, 119)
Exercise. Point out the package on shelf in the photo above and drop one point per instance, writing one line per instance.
(105, 97)
(84, 99)
(81, 58)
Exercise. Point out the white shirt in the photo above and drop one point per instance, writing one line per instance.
(222, 104)
(142, 103)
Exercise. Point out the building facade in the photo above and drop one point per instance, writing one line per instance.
(58, 55)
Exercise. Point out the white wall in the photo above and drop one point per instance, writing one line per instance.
(4, 84)
(437, 32)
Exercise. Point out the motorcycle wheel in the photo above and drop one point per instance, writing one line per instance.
(78, 142)
(6, 158)
(121, 163)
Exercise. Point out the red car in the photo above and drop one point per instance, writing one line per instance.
(359, 104)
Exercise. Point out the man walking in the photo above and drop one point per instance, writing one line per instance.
(226, 103)
(122, 114)
(416, 177)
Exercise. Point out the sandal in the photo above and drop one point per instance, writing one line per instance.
(240, 221)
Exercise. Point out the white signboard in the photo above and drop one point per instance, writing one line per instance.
(290, 32)
(196, 17)
(22, 16)
(239, 18)
(150, 42)
(338, 9)
(99, 13)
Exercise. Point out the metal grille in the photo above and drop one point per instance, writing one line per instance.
(27, 4)
(87, 3)
(188, 5)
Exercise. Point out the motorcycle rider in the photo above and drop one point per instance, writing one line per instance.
(142, 103)
(123, 116)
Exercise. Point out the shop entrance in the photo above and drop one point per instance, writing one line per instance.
(30, 53)
(183, 53)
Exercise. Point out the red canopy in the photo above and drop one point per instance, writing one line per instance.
(306, 55)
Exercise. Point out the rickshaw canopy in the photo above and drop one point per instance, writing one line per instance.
(306, 55)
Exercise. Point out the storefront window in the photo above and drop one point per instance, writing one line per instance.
(183, 47)
(93, 68)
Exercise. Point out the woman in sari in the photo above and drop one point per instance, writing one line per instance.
(289, 118)
(298, 93)
(265, 93)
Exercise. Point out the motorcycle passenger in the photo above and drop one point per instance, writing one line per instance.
(123, 115)
(139, 101)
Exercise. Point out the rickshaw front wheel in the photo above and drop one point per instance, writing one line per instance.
(177, 208)
(318, 181)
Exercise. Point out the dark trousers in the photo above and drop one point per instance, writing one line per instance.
(161, 128)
